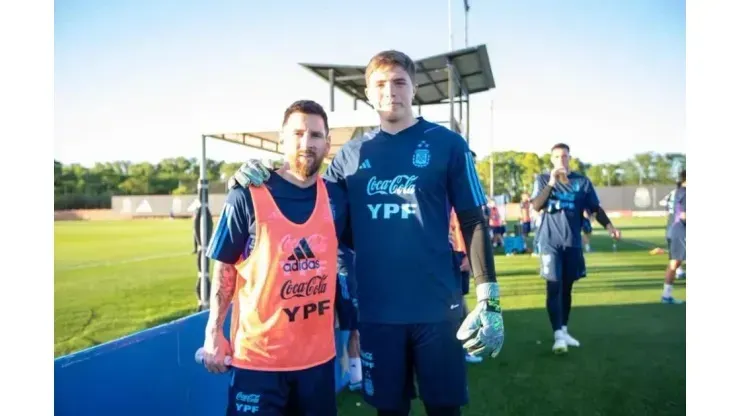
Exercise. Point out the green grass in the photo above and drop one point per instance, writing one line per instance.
(114, 278)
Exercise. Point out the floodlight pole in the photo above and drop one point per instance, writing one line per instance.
(449, 20)
(331, 90)
(204, 237)
(467, 7)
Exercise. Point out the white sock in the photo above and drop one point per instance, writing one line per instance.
(559, 334)
(565, 329)
(667, 290)
(355, 370)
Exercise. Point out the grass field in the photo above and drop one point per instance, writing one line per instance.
(114, 278)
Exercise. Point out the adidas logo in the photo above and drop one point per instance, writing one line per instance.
(301, 259)
(365, 164)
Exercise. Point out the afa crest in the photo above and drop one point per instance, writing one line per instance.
(421, 155)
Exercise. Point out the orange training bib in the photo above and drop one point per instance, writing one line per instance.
(283, 309)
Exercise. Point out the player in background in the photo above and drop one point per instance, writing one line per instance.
(275, 257)
(496, 224)
(667, 202)
(677, 248)
(587, 231)
(562, 196)
(525, 215)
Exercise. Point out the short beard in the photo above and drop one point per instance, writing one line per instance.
(306, 170)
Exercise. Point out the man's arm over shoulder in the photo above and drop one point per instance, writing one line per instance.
(463, 185)
(340, 166)
(339, 206)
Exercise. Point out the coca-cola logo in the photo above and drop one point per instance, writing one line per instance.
(311, 287)
(400, 185)
(247, 398)
(316, 242)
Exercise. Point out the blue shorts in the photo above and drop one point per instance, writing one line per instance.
(501, 229)
(567, 264)
(393, 353)
(309, 392)
(586, 227)
(677, 247)
(526, 227)
(465, 283)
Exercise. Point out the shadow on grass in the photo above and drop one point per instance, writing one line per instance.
(594, 286)
(632, 361)
(591, 270)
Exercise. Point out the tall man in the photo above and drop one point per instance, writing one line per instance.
(275, 252)
(563, 195)
(401, 180)
(677, 239)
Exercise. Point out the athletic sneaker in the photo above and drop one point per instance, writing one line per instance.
(671, 300)
(560, 346)
(569, 340)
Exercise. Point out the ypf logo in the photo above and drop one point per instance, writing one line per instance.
(302, 259)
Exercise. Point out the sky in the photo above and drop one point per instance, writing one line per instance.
(139, 80)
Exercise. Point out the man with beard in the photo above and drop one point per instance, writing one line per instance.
(401, 181)
(275, 256)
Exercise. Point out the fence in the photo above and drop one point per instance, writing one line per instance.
(621, 198)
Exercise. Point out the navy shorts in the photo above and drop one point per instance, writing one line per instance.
(309, 392)
(465, 283)
(393, 353)
(677, 247)
(501, 229)
(567, 264)
(586, 227)
(526, 227)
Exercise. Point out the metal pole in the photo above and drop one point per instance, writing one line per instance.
(331, 90)
(451, 92)
(467, 117)
(466, 26)
(449, 20)
(204, 237)
(491, 149)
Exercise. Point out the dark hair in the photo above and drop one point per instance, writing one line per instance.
(307, 107)
(391, 58)
(561, 146)
(682, 177)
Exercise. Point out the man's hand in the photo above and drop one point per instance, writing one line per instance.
(558, 174)
(252, 172)
(353, 346)
(614, 232)
(465, 265)
(215, 350)
(482, 331)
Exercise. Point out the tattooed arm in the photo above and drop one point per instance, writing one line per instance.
(226, 247)
(222, 291)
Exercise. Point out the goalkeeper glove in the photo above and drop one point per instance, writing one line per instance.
(482, 331)
(252, 172)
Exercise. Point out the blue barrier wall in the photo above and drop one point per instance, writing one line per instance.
(152, 372)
